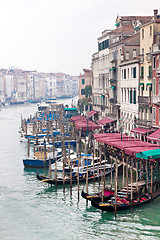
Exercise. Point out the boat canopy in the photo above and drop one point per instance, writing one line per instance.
(151, 154)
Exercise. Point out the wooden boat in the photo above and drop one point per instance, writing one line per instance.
(67, 179)
(98, 196)
(120, 205)
(38, 159)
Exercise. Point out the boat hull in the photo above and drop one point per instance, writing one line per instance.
(111, 208)
(36, 163)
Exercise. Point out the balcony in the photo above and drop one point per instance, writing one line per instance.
(103, 107)
(113, 100)
(156, 47)
(158, 71)
(148, 57)
(113, 82)
(156, 99)
(144, 100)
(143, 123)
(141, 58)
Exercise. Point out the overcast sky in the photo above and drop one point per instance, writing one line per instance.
(59, 35)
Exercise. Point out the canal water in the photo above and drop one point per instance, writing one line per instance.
(30, 209)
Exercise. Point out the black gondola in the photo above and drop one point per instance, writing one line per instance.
(67, 179)
(110, 206)
(97, 196)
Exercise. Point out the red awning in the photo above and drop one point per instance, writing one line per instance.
(75, 118)
(82, 124)
(89, 114)
(141, 131)
(134, 150)
(105, 121)
(155, 136)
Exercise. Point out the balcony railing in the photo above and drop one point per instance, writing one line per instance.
(156, 99)
(144, 100)
(158, 71)
(148, 57)
(144, 123)
(113, 82)
(141, 58)
(113, 100)
(103, 107)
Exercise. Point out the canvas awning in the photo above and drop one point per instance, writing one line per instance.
(105, 121)
(82, 124)
(134, 150)
(89, 114)
(76, 118)
(112, 69)
(141, 131)
(155, 136)
(151, 154)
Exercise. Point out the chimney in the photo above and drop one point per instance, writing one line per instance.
(155, 13)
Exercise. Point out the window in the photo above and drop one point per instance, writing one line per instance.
(154, 114)
(83, 81)
(154, 62)
(150, 71)
(127, 55)
(134, 53)
(134, 72)
(82, 92)
(142, 32)
(122, 94)
(131, 96)
(142, 72)
(154, 86)
(128, 73)
(99, 47)
(134, 96)
(150, 30)
(124, 73)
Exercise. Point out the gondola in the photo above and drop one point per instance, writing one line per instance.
(98, 196)
(110, 205)
(59, 180)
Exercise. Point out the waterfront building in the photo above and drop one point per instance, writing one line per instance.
(100, 66)
(21, 94)
(113, 50)
(147, 35)
(9, 86)
(2, 88)
(51, 86)
(84, 80)
(156, 80)
(129, 82)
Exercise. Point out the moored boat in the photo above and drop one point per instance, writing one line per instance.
(122, 203)
(98, 196)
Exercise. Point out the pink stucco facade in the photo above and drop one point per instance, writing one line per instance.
(84, 80)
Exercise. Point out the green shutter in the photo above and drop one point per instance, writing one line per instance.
(142, 72)
(124, 73)
(150, 71)
(130, 96)
(134, 97)
(134, 72)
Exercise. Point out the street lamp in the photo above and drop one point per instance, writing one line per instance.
(121, 126)
(87, 115)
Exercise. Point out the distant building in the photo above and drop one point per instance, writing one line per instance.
(84, 80)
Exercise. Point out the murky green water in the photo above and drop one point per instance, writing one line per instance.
(30, 209)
